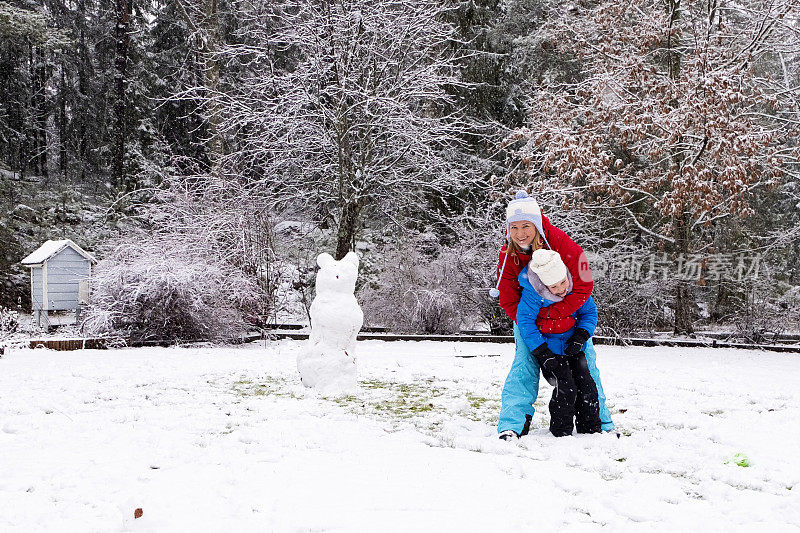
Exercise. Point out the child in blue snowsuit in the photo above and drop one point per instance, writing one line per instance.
(563, 358)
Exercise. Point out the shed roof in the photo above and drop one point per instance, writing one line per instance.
(51, 248)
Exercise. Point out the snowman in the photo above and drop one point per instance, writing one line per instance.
(328, 362)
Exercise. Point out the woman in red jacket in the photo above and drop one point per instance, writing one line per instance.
(528, 230)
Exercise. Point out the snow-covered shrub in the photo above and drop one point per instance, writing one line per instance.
(9, 321)
(224, 221)
(757, 322)
(476, 266)
(629, 307)
(433, 310)
(167, 291)
(762, 316)
(414, 293)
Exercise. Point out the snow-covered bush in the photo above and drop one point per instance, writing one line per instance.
(225, 221)
(432, 310)
(760, 316)
(476, 264)
(627, 307)
(789, 304)
(9, 321)
(168, 291)
(414, 293)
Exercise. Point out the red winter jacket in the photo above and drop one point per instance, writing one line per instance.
(555, 318)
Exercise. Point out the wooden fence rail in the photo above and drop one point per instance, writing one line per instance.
(284, 333)
(65, 345)
(689, 343)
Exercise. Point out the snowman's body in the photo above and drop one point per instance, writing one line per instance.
(328, 362)
(335, 321)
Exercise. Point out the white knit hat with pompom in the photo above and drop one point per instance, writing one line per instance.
(524, 207)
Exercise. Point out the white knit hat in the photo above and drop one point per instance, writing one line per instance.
(547, 264)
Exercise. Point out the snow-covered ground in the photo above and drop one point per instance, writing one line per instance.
(226, 439)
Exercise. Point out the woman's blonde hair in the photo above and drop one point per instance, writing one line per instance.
(513, 250)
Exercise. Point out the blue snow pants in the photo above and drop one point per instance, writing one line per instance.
(522, 384)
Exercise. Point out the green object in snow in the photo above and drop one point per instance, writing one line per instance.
(739, 459)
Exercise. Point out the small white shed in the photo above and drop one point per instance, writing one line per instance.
(60, 272)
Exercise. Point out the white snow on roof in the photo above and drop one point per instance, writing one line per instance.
(51, 248)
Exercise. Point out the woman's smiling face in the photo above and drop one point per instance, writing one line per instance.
(522, 233)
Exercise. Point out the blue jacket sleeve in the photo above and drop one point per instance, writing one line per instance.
(586, 316)
(527, 311)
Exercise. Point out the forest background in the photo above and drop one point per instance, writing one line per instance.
(208, 150)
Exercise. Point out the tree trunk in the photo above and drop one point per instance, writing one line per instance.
(683, 294)
(209, 29)
(673, 55)
(720, 299)
(79, 120)
(123, 16)
(38, 155)
(346, 235)
(211, 81)
(62, 123)
(683, 309)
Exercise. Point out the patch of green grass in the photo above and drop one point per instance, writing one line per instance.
(392, 400)
(419, 403)
(373, 384)
(269, 386)
(476, 402)
(621, 460)
(346, 399)
(482, 409)
(403, 389)
(403, 408)
(739, 459)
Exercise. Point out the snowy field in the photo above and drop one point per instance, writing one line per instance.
(226, 439)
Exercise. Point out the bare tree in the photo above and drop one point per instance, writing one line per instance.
(344, 110)
(680, 116)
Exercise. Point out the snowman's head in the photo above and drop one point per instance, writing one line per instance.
(337, 276)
